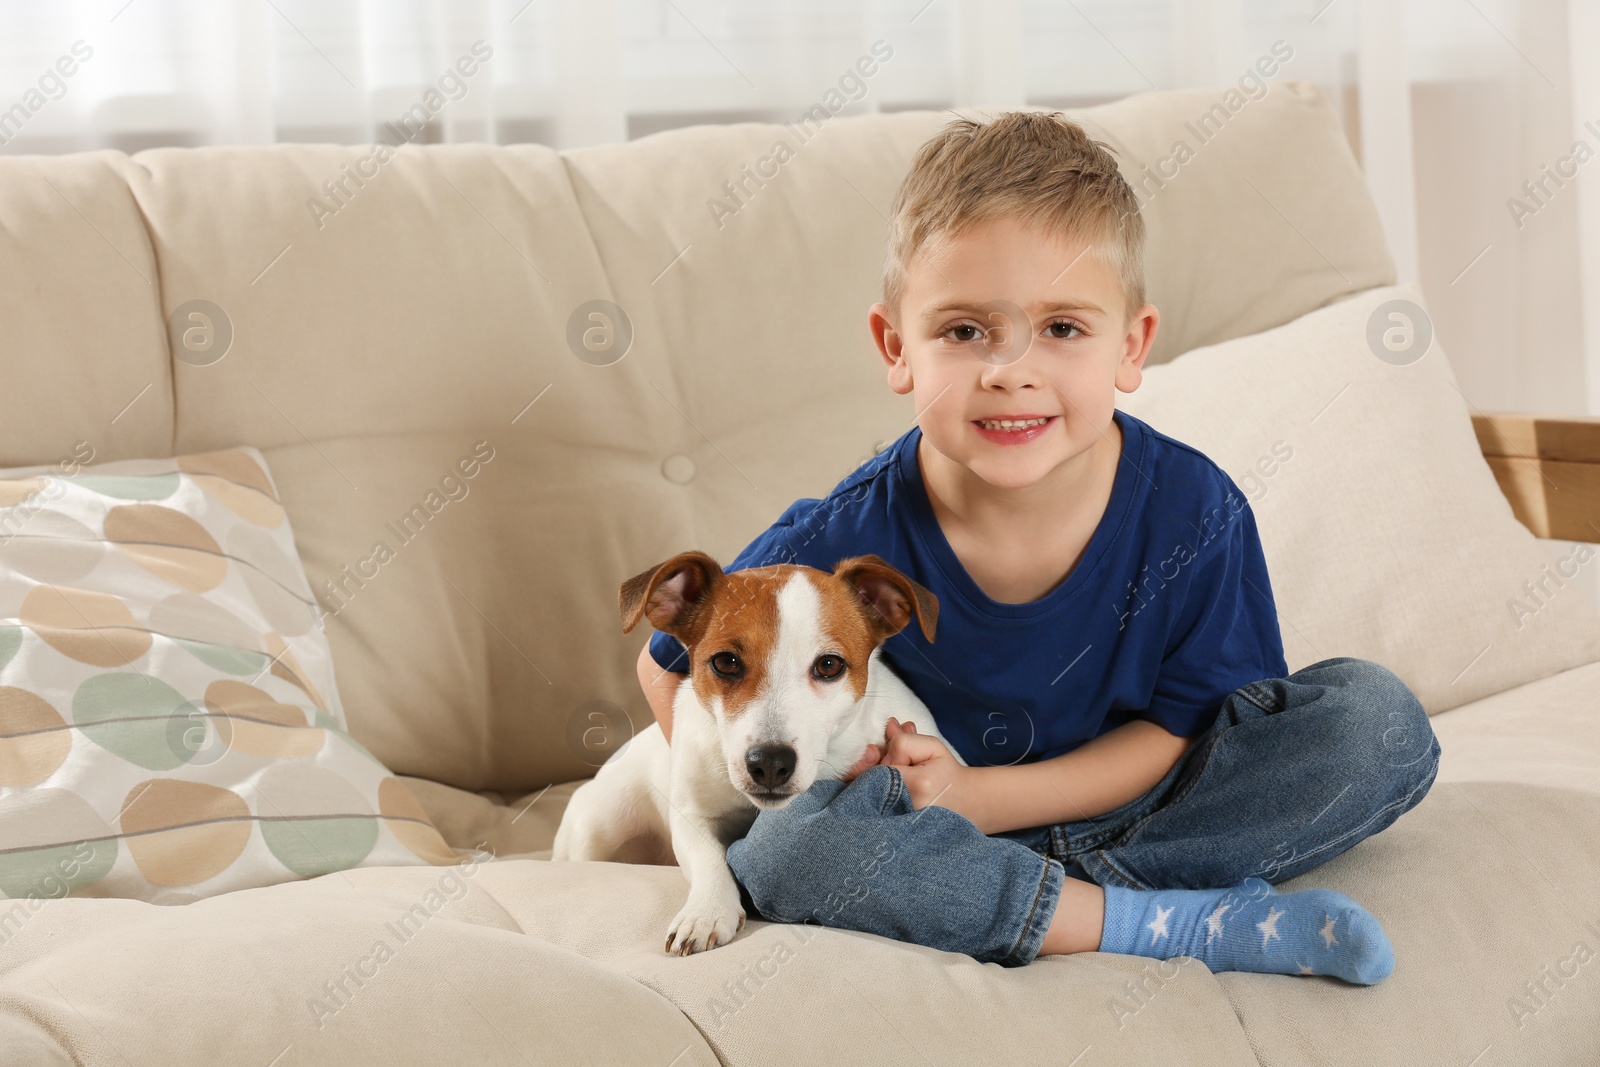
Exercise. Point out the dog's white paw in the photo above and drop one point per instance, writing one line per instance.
(705, 922)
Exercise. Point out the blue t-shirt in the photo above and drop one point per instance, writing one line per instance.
(1167, 611)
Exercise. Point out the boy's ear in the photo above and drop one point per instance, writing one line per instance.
(1141, 334)
(891, 346)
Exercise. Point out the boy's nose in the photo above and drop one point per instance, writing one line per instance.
(1007, 332)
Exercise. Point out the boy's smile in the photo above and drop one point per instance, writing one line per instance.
(1013, 342)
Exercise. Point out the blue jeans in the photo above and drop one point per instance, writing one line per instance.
(1293, 772)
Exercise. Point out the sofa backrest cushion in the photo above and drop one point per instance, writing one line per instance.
(400, 317)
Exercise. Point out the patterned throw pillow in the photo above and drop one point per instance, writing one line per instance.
(169, 724)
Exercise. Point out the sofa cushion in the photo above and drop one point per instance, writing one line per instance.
(86, 365)
(1484, 888)
(563, 962)
(377, 344)
(378, 965)
(1385, 533)
(1486, 891)
(1543, 733)
(170, 725)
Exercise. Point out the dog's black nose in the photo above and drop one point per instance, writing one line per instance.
(770, 766)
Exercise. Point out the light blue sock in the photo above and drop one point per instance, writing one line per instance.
(1250, 927)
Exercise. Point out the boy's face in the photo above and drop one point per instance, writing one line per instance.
(1008, 321)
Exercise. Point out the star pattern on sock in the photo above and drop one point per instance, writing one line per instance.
(1318, 932)
(1158, 925)
(1269, 926)
(1214, 921)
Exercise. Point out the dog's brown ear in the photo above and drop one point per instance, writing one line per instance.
(671, 594)
(888, 598)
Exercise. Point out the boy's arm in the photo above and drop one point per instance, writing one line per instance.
(1096, 777)
(659, 685)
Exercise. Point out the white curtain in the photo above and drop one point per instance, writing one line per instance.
(1450, 104)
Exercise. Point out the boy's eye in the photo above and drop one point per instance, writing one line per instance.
(966, 332)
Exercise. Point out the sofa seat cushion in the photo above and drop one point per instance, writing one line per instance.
(1486, 890)
(373, 965)
(507, 827)
(1489, 884)
(1480, 888)
(805, 994)
(563, 963)
(1544, 733)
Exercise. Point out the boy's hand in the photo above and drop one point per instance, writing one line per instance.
(875, 754)
(869, 758)
(930, 772)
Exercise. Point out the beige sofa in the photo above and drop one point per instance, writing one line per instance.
(374, 346)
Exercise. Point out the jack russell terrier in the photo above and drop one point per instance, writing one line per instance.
(786, 686)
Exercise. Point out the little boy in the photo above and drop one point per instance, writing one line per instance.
(1141, 763)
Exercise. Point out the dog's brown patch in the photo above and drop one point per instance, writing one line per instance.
(742, 618)
(845, 625)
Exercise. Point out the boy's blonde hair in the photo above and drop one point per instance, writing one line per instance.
(1038, 166)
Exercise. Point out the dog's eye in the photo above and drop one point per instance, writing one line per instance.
(727, 664)
(828, 667)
